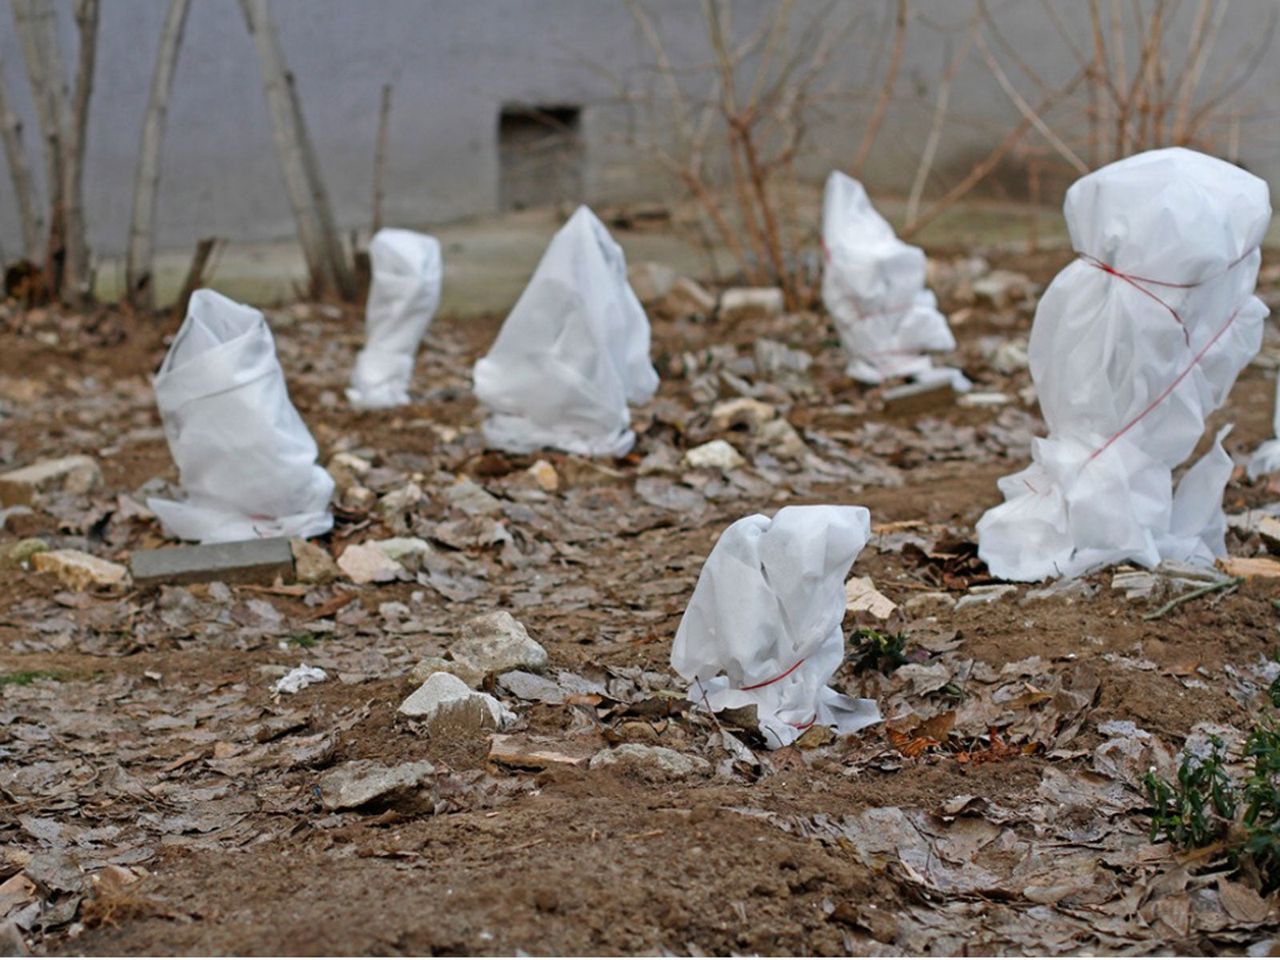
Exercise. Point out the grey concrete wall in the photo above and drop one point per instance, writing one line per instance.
(453, 64)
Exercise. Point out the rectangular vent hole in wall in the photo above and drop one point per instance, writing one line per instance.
(540, 155)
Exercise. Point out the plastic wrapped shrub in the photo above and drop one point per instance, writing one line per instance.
(572, 354)
(404, 292)
(245, 459)
(763, 627)
(1134, 344)
(873, 287)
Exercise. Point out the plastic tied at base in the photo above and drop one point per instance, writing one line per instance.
(1134, 344)
(763, 627)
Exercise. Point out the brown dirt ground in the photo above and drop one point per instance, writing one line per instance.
(582, 862)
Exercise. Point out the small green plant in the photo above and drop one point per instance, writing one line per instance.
(1198, 809)
(873, 650)
(24, 678)
(1207, 806)
(306, 640)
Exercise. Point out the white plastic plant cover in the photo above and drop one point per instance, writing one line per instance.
(404, 293)
(572, 354)
(245, 458)
(1266, 459)
(763, 625)
(1133, 345)
(873, 287)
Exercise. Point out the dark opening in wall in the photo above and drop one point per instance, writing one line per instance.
(540, 155)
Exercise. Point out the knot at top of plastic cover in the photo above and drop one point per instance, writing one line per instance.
(572, 354)
(404, 293)
(873, 287)
(246, 461)
(1134, 344)
(763, 627)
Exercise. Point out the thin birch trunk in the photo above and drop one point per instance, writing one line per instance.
(139, 270)
(24, 189)
(380, 157)
(321, 245)
(35, 26)
(77, 279)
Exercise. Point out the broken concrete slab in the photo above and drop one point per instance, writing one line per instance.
(74, 474)
(448, 708)
(656, 764)
(359, 782)
(750, 303)
(495, 643)
(528, 753)
(241, 561)
(913, 399)
(80, 571)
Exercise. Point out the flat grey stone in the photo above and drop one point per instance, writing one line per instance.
(651, 763)
(357, 782)
(449, 709)
(243, 561)
(497, 642)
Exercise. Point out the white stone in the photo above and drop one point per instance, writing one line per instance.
(1000, 288)
(1010, 357)
(716, 455)
(425, 667)
(402, 500)
(742, 412)
(445, 705)
(347, 470)
(783, 439)
(977, 399)
(495, 643)
(861, 595)
(545, 476)
(80, 571)
(74, 474)
(988, 593)
(312, 562)
(651, 763)
(299, 678)
(750, 303)
(401, 549)
(367, 563)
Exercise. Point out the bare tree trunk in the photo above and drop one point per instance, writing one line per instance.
(77, 279)
(321, 245)
(20, 174)
(380, 156)
(205, 248)
(140, 288)
(36, 28)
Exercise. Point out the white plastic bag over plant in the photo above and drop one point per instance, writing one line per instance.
(404, 293)
(763, 625)
(1134, 344)
(573, 352)
(873, 287)
(1266, 459)
(245, 458)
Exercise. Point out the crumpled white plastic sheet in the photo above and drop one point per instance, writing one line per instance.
(873, 287)
(404, 292)
(572, 354)
(245, 458)
(1134, 344)
(1266, 459)
(763, 626)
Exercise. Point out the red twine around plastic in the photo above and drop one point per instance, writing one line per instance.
(1136, 281)
(785, 673)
